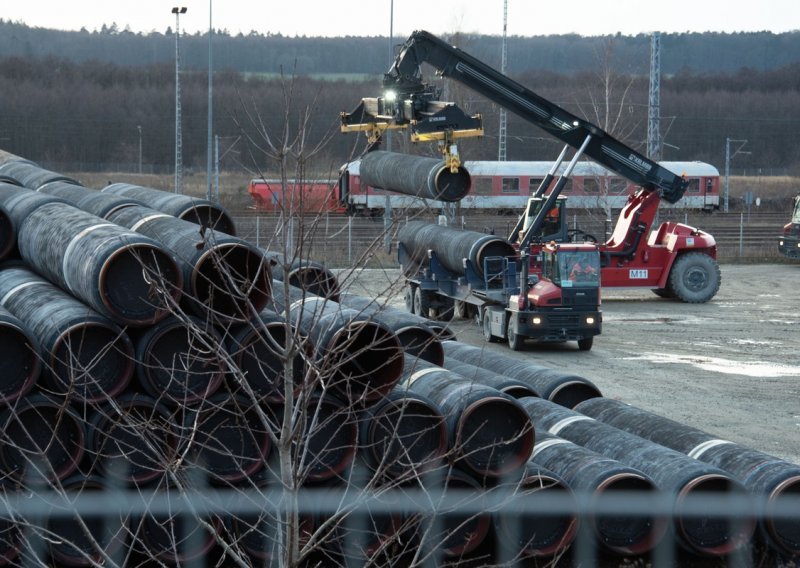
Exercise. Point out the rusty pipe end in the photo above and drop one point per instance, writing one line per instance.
(421, 342)
(571, 393)
(21, 363)
(783, 532)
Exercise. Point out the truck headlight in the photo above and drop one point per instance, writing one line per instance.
(536, 320)
(589, 320)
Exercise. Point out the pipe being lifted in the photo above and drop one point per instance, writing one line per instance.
(429, 178)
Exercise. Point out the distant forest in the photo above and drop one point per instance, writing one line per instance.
(85, 100)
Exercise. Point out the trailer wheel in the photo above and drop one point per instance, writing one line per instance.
(408, 297)
(487, 327)
(585, 344)
(422, 304)
(694, 278)
(460, 309)
(446, 308)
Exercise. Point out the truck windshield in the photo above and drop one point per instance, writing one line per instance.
(579, 268)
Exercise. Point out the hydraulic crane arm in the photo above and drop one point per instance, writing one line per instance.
(405, 79)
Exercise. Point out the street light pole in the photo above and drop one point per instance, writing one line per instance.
(210, 112)
(178, 135)
(140, 148)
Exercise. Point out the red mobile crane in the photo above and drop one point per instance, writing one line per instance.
(675, 260)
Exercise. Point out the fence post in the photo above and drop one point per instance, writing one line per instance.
(741, 234)
(349, 240)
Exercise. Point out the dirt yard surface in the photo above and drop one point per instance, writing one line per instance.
(730, 367)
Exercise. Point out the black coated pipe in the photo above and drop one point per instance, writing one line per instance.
(19, 352)
(193, 209)
(508, 385)
(8, 237)
(42, 439)
(461, 533)
(31, 175)
(89, 200)
(85, 354)
(311, 276)
(129, 278)
(403, 435)
(179, 361)
(761, 473)
(538, 533)
(224, 277)
(17, 203)
(565, 389)
(358, 358)
(489, 432)
(10, 541)
(259, 351)
(85, 539)
(452, 246)
(684, 478)
(589, 472)
(419, 176)
(416, 337)
(226, 437)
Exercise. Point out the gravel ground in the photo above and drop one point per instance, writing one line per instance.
(730, 367)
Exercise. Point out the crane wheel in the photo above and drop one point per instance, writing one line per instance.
(695, 278)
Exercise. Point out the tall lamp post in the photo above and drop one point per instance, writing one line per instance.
(178, 137)
(140, 148)
(210, 111)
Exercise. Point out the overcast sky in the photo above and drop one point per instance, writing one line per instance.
(372, 17)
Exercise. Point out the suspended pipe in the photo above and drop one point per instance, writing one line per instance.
(562, 388)
(358, 358)
(259, 351)
(89, 200)
(224, 277)
(403, 435)
(19, 352)
(416, 337)
(193, 209)
(32, 176)
(226, 438)
(85, 355)
(179, 361)
(508, 385)
(308, 275)
(538, 533)
(590, 473)
(429, 178)
(42, 439)
(452, 246)
(682, 477)
(761, 473)
(132, 440)
(489, 432)
(125, 276)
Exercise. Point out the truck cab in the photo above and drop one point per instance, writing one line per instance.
(789, 242)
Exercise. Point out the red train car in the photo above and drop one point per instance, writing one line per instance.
(310, 196)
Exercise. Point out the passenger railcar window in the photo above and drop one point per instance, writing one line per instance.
(510, 185)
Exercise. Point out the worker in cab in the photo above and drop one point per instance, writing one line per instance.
(581, 273)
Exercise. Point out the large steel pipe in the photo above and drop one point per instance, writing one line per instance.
(489, 432)
(761, 473)
(132, 439)
(403, 435)
(538, 532)
(508, 385)
(85, 354)
(193, 209)
(19, 352)
(451, 246)
(179, 361)
(17, 203)
(224, 277)
(601, 477)
(565, 389)
(686, 479)
(31, 175)
(89, 200)
(126, 276)
(8, 237)
(41, 439)
(260, 350)
(358, 358)
(308, 275)
(419, 176)
(416, 337)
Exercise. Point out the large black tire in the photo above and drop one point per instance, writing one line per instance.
(487, 327)
(586, 343)
(408, 297)
(445, 310)
(664, 292)
(515, 340)
(694, 278)
(422, 303)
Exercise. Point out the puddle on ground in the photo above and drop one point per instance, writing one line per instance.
(718, 365)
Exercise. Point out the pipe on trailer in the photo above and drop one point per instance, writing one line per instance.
(89, 200)
(415, 336)
(84, 353)
(429, 178)
(490, 433)
(193, 209)
(451, 246)
(562, 388)
(687, 480)
(179, 361)
(762, 474)
(31, 175)
(600, 477)
(19, 352)
(224, 277)
(126, 276)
